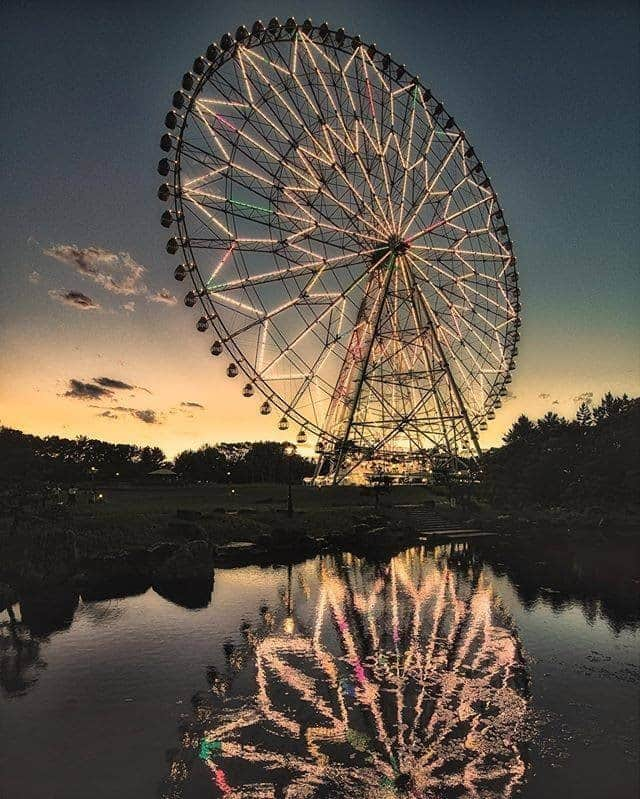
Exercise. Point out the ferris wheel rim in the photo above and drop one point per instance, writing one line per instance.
(284, 33)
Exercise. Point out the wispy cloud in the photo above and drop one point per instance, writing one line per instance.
(586, 396)
(76, 299)
(191, 405)
(164, 295)
(80, 390)
(147, 415)
(112, 382)
(118, 272)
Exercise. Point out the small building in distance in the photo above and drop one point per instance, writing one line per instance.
(162, 475)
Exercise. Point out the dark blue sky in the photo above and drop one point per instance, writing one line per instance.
(547, 92)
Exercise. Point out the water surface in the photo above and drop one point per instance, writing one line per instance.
(486, 668)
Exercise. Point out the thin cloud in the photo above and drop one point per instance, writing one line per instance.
(34, 277)
(191, 405)
(80, 390)
(164, 296)
(118, 272)
(76, 299)
(147, 416)
(111, 382)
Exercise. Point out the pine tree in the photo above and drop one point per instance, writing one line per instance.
(584, 416)
(551, 422)
(523, 429)
(611, 406)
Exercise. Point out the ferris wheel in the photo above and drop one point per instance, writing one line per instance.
(345, 245)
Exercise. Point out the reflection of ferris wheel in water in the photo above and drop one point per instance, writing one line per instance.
(345, 244)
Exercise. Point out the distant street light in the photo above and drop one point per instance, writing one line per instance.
(289, 451)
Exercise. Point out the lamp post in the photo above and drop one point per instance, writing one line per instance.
(289, 451)
(289, 624)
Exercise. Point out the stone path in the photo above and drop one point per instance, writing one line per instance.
(427, 521)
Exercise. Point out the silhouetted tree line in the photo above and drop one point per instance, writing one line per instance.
(27, 458)
(248, 462)
(591, 461)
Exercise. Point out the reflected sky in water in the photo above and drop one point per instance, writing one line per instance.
(486, 670)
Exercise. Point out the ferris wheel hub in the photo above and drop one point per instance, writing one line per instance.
(397, 245)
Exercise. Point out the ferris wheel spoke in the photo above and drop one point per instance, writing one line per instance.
(322, 186)
(325, 157)
(311, 269)
(290, 193)
(441, 222)
(477, 371)
(468, 350)
(350, 144)
(297, 116)
(405, 160)
(461, 285)
(254, 149)
(434, 265)
(344, 296)
(458, 253)
(430, 188)
(376, 146)
(263, 143)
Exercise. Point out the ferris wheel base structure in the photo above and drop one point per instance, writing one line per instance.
(346, 247)
(392, 469)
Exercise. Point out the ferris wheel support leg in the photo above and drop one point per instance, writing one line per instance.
(427, 357)
(452, 382)
(389, 265)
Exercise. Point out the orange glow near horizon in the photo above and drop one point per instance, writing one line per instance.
(178, 369)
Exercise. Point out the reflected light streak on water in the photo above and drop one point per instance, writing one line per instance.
(402, 679)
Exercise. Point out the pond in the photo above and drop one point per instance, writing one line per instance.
(484, 668)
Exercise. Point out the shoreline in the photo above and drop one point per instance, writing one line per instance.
(179, 534)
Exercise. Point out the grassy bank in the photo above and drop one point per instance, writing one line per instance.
(42, 542)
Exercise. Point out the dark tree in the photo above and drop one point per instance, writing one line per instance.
(569, 465)
(523, 429)
(584, 416)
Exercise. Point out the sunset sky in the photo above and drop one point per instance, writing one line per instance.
(95, 338)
